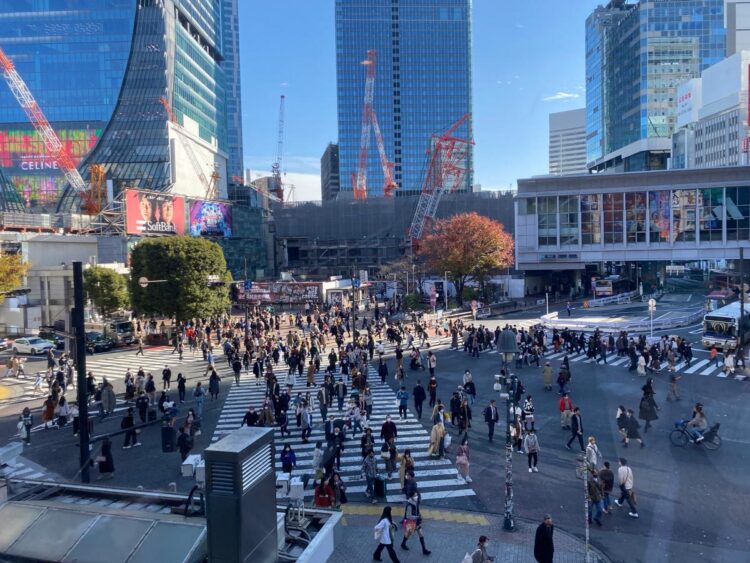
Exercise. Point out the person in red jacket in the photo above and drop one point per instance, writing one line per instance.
(324, 494)
(566, 411)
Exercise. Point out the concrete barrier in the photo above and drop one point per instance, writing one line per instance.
(552, 321)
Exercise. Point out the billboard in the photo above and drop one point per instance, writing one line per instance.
(210, 218)
(153, 213)
(689, 96)
(279, 292)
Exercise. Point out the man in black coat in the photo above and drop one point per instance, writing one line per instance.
(419, 398)
(491, 417)
(576, 429)
(544, 545)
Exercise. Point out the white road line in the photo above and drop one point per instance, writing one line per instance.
(697, 366)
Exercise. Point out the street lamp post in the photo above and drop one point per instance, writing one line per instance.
(508, 350)
(445, 289)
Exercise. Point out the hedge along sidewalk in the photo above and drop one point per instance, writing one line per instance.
(449, 535)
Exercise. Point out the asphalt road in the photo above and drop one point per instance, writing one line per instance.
(692, 502)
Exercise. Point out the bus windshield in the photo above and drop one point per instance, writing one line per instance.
(122, 327)
(719, 326)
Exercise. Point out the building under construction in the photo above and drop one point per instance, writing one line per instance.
(320, 239)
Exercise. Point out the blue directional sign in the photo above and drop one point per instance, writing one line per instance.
(248, 285)
(356, 283)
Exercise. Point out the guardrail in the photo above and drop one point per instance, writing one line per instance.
(618, 299)
(552, 321)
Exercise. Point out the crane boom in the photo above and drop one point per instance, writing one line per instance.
(389, 183)
(278, 188)
(37, 118)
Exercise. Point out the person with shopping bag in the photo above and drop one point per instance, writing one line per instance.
(412, 523)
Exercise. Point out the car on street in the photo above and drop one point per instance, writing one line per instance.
(5, 343)
(97, 342)
(48, 334)
(31, 345)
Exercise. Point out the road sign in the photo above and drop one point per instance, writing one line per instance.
(143, 281)
(248, 285)
(652, 304)
(356, 283)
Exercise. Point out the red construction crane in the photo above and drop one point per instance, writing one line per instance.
(51, 141)
(370, 121)
(447, 168)
(278, 186)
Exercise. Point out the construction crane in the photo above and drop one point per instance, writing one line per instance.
(97, 190)
(278, 186)
(447, 167)
(370, 122)
(208, 185)
(51, 141)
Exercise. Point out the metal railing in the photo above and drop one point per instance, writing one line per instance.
(552, 321)
(619, 299)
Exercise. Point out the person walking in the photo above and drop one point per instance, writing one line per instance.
(595, 494)
(214, 385)
(593, 455)
(166, 377)
(547, 376)
(403, 401)
(673, 394)
(528, 413)
(566, 411)
(462, 459)
(370, 473)
(544, 544)
(384, 533)
(632, 429)
(131, 435)
(288, 459)
(413, 523)
(106, 461)
(491, 417)
(576, 429)
(139, 343)
(200, 396)
(25, 423)
(432, 386)
(626, 480)
(648, 407)
(419, 397)
(607, 478)
(181, 381)
(479, 555)
(531, 447)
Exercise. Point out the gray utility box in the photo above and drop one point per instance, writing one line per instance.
(241, 497)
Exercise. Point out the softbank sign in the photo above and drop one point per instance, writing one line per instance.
(38, 164)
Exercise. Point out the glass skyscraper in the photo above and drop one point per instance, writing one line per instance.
(422, 85)
(636, 56)
(98, 69)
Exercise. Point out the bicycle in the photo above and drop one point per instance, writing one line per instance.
(681, 437)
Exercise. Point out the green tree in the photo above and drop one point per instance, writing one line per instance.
(107, 289)
(185, 264)
(12, 272)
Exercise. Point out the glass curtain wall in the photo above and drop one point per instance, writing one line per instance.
(683, 215)
(547, 221)
(569, 220)
(591, 219)
(738, 213)
(613, 212)
(711, 207)
(635, 205)
(658, 209)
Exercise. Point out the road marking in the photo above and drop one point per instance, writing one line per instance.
(697, 366)
(710, 369)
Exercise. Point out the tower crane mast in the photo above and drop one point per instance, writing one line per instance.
(278, 187)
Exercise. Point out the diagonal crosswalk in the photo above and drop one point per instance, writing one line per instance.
(698, 367)
(436, 478)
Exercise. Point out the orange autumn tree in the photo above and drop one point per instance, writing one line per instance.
(468, 246)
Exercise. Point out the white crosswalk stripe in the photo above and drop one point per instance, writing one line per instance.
(114, 365)
(437, 478)
(700, 367)
(25, 469)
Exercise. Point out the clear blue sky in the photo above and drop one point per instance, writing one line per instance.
(528, 62)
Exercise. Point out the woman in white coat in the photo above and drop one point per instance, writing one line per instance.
(384, 533)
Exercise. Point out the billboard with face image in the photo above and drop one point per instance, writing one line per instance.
(153, 213)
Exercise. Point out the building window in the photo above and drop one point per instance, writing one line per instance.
(613, 209)
(591, 216)
(569, 220)
(527, 206)
(635, 206)
(547, 221)
(712, 213)
(738, 213)
(658, 209)
(683, 218)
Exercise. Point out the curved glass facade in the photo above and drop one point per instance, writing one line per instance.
(72, 55)
(422, 86)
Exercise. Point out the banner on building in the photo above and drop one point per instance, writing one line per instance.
(153, 213)
(279, 292)
(210, 219)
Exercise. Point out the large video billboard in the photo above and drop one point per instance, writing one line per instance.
(210, 218)
(153, 213)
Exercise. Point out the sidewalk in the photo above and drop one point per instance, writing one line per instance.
(450, 534)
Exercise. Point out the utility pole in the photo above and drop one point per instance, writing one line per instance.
(79, 332)
(247, 305)
(741, 335)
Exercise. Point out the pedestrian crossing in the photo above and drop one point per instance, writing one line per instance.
(27, 469)
(437, 479)
(703, 367)
(114, 365)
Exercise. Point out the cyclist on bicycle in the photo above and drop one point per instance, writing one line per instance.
(698, 424)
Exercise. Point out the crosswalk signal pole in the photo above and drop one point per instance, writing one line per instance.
(81, 387)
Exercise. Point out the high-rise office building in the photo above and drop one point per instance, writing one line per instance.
(233, 95)
(330, 180)
(737, 17)
(636, 56)
(99, 70)
(567, 142)
(422, 84)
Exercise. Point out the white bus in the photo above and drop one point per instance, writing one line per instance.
(721, 328)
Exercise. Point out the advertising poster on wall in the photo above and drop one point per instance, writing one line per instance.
(210, 219)
(153, 213)
(279, 293)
